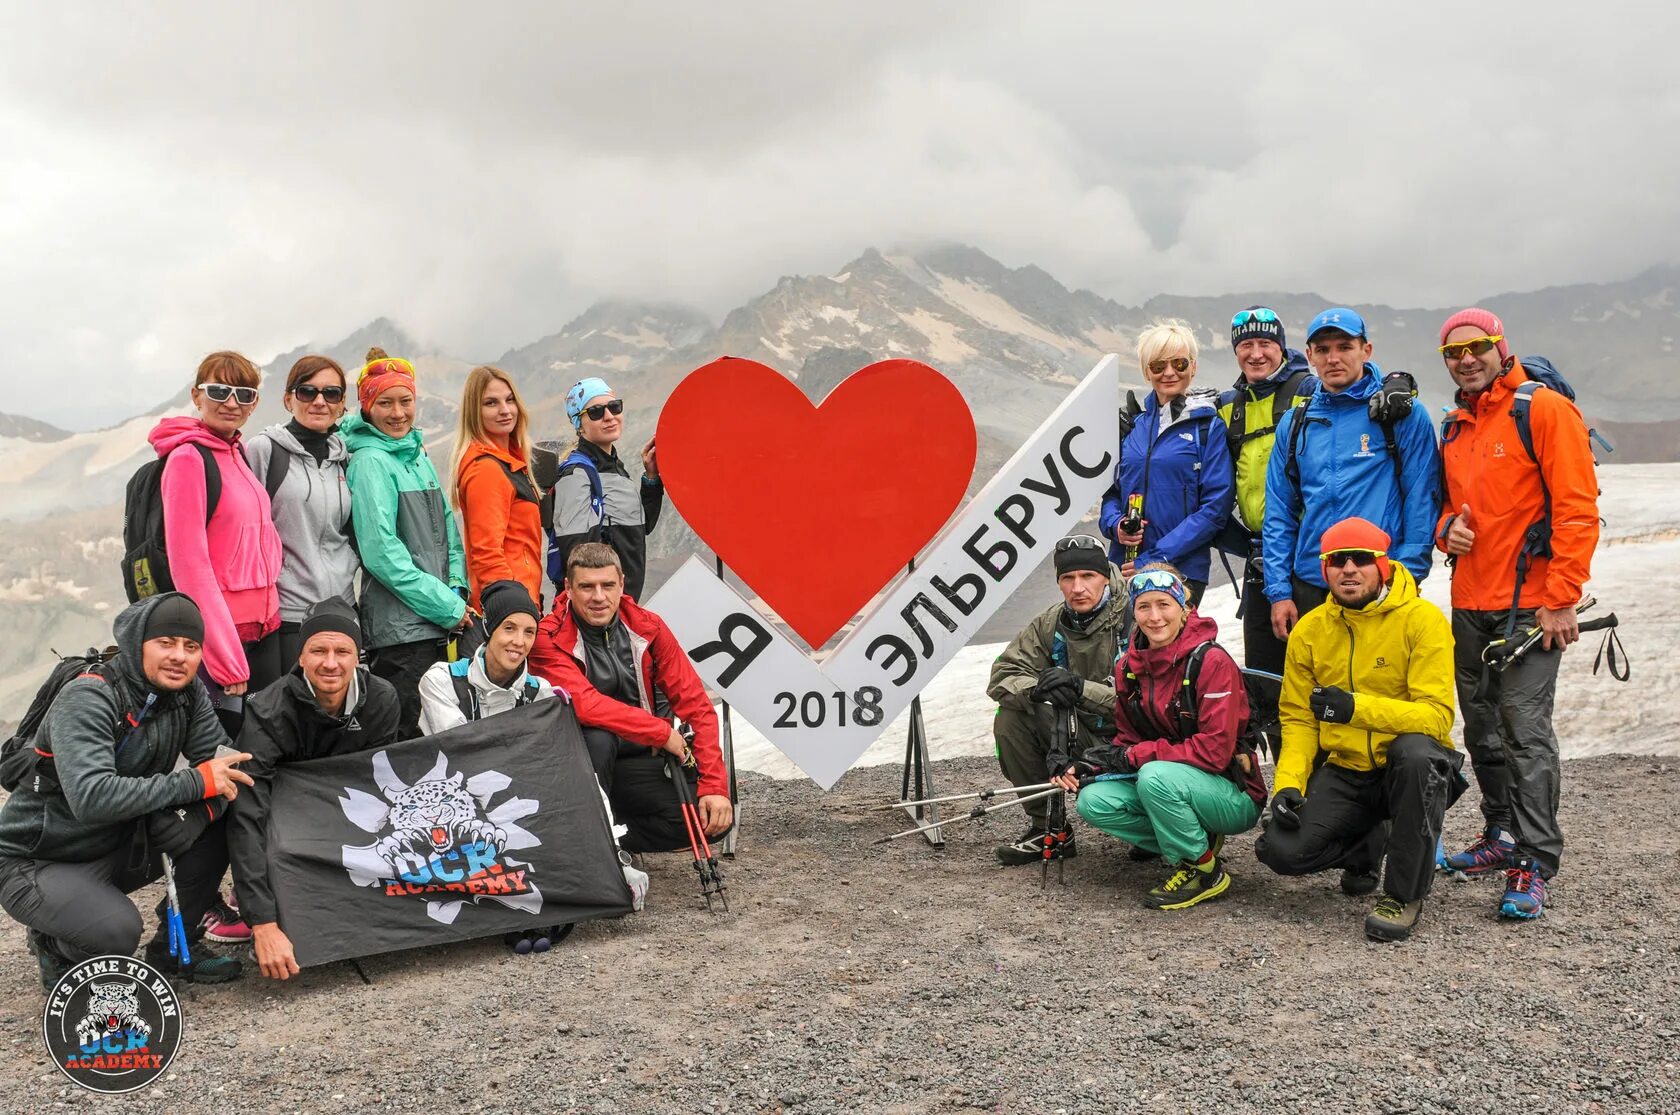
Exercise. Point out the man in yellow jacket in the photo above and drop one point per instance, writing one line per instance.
(1367, 681)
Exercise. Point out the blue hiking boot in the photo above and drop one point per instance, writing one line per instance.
(1492, 851)
(1525, 892)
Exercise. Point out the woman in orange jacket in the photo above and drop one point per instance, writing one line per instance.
(495, 496)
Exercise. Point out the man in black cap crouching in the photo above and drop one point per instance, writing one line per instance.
(328, 704)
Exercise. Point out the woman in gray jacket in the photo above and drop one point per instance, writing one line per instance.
(302, 463)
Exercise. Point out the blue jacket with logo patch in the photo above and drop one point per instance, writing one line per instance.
(1183, 472)
(1343, 469)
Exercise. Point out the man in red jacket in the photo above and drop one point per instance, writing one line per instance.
(621, 665)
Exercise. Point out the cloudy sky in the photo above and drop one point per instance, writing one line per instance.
(179, 178)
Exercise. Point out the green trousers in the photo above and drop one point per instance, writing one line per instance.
(1170, 808)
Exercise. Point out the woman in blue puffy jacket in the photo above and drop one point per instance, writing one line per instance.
(1173, 482)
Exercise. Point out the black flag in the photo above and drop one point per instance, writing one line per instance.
(493, 826)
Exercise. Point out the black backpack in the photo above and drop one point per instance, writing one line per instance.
(1236, 432)
(20, 762)
(145, 560)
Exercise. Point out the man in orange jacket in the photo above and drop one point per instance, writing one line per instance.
(1520, 524)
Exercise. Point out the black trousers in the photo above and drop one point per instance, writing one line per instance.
(1262, 650)
(403, 665)
(82, 909)
(1508, 732)
(1344, 808)
(638, 785)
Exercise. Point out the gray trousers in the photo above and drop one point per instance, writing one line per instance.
(1023, 747)
(1508, 733)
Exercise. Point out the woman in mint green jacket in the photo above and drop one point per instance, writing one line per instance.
(414, 580)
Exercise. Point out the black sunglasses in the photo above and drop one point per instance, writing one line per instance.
(308, 392)
(1362, 559)
(601, 410)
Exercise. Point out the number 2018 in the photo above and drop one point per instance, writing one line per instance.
(812, 709)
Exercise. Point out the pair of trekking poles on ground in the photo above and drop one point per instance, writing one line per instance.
(705, 861)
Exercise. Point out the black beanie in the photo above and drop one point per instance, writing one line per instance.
(174, 616)
(1081, 553)
(334, 615)
(1255, 327)
(502, 599)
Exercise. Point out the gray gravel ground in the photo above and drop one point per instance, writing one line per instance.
(850, 977)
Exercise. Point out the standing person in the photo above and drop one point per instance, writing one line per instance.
(1070, 646)
(594, 499)
(611, 655)
(74, 845)
(1182, 738)
(328, 704)
(1367, 714)
(1358, 448)
(227, 560)
(1272, 379)
(302, 466)
(501, 520)
(1516, 457)
(1173, 481)
(414, 591)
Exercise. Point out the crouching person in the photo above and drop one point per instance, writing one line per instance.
(1367, 682)
(1181, 773)
(109, 796)
(1063, 657)
(328, 704)
(620, 663)
(495, 680)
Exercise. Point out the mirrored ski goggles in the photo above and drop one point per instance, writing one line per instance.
(386, 364)
(1363, 559)
(308, 392)
(1179, 364)
(1156, 580)
(221, 393)
(601, 410)
(1243, 317)
(1479, 346)
(1079, 542)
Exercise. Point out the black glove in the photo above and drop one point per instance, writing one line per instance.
(1061, 687)
(1331, 705)
(1393, 399)
(1286, 809)
(1104, 758)
(173, 831)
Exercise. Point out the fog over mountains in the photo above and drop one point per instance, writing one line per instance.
(1013, 340)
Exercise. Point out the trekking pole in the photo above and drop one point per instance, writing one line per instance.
(974, 814)
(174, 926)
(1502, 654)
(983, 795)
(1249, 671)
(1058, 833)
(705, 863)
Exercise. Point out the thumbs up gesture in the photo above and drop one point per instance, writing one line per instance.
(1460, 536)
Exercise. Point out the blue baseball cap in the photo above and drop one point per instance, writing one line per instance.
(582, 391)
(1339, 318)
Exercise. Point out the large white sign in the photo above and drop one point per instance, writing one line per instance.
(823, 717)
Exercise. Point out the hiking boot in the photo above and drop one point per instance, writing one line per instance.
(1357, 883)
(1492, 851)
(1391, 919)
(1189, 885)
(1030, 849)
(223, 924)
(1525, 892)
(52, 965)
(206, 966)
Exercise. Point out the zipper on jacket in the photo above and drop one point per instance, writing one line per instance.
(1370, 750)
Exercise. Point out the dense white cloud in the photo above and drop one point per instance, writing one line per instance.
(180, 179)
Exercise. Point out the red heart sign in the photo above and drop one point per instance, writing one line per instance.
(816, 507)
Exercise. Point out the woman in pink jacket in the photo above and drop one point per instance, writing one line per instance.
(228, 561)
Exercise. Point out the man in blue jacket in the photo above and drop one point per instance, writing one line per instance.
(1357, 449)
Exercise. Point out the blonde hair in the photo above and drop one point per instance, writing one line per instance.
(471, 426)
(1163, 336)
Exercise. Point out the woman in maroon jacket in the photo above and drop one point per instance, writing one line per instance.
(1178, 778)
